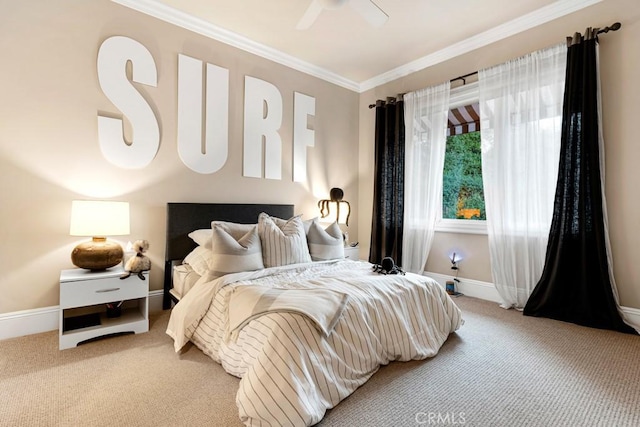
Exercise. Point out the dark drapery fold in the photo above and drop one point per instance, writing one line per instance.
(575, 285)
(388, 191)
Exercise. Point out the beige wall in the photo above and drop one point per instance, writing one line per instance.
(49, 154)
(620, 65)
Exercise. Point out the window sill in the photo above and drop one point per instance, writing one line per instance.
(461, 226)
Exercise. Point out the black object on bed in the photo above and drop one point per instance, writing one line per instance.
(183, 218)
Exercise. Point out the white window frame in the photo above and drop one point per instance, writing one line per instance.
(460, 96)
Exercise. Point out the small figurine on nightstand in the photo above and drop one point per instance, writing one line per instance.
(139, 262)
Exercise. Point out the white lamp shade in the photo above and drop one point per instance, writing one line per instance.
(344, 212)
(333, 211)
(92, 218)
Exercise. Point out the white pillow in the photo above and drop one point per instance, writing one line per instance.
(202, 237)
(325, 244)
(231, 255)
(283, 242)
(199, 259)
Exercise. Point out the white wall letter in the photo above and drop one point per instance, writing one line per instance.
(303, 137)
(213, 155)
(112, 61)
(259, 123)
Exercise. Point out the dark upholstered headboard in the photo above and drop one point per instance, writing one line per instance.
(183, 218)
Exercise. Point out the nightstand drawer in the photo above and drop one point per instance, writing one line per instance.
(80, 293)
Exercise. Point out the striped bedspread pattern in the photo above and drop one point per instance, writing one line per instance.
(322, 306)
(290, 373)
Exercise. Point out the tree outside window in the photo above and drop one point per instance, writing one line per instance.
(462, 191)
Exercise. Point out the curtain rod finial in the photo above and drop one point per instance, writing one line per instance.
(613, 27)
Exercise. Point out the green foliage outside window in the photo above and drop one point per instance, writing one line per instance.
(462, 191)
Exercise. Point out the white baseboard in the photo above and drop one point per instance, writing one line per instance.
(487, 291)
(469, 287)
(155, 301)
(28, 322)
(632, 316)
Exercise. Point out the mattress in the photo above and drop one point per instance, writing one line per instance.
(184, 277)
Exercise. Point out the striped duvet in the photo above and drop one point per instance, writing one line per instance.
(291, 374)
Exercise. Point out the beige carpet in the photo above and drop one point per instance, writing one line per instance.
(500, 369)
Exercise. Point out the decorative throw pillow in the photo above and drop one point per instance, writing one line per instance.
(283, 241)
(203, 236)
(236, 230)
(325, 244)
(231, 255)
(199, 259)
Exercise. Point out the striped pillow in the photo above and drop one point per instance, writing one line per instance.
(325, 244)
(233, 256)
(283, 242)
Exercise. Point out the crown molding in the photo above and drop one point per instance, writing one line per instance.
(207, 29)
(538, 17)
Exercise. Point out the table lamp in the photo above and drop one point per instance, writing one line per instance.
(98, 219)
(335, 196)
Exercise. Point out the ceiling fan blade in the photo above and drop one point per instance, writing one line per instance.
(310, 16)
(370, 11)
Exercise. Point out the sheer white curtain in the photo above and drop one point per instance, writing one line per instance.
(425, 115)
(521, 119)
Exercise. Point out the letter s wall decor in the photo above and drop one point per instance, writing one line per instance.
(113, 56)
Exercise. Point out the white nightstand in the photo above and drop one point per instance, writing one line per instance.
(84, 295)
(352, 252)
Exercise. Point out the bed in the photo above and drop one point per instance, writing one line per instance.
(183, 218)
(327, 328)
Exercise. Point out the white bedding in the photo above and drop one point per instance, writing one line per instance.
(291, 374)
(323, 306)
(184, 278)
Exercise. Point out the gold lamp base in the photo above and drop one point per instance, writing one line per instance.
(98, 254)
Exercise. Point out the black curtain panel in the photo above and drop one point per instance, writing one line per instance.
(575, 285)
(388, 192)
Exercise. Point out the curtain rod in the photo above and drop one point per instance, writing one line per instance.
(389, 100)
(613, 27)
(464, 82)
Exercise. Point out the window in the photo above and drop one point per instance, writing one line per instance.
(463, 208)
(462, 191)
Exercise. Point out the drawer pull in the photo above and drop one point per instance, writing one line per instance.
(107, 290)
